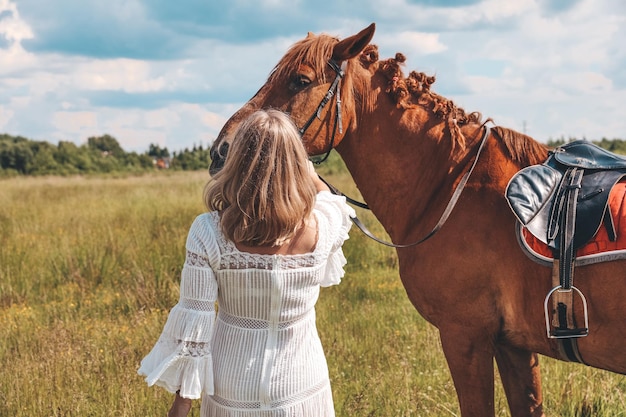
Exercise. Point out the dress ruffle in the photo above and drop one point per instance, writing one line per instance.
(181, 359)
(335, 209)
(334, 270)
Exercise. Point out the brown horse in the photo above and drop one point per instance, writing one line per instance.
(407, 148)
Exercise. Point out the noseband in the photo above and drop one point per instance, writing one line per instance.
(333, 90)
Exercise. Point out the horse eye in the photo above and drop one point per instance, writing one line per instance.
(299, 82)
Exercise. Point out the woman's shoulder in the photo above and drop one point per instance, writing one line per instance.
(333, 207)
(334, 215)
(205, 225)
(209, 218)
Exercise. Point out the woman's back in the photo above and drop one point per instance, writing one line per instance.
(266, 350)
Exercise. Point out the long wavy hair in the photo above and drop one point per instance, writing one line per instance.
(264, 192)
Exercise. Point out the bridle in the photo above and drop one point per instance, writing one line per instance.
(333, 90)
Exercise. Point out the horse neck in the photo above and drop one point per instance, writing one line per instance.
(408, 175)
(401, 164)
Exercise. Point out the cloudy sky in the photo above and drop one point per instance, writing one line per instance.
(171, 72)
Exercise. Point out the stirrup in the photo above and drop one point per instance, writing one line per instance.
(563, 333)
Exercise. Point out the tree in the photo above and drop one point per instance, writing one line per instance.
(156, 151)
(43, 162)
(615, 145)
(106, 144)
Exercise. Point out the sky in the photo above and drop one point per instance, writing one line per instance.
(172, 72)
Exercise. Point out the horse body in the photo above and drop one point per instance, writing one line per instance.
(470, 280)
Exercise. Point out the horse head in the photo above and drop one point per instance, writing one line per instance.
(307, 83)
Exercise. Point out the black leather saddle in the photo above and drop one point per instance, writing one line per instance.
(540, 195)
(564, 202)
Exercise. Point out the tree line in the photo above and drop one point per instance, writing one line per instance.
(611, 145)
(100, 154)
(103, 154)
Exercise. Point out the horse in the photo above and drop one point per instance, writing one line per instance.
(408, 149)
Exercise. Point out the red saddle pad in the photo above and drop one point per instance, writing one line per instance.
(599, 247)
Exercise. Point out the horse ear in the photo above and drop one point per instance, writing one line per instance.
(353, 45)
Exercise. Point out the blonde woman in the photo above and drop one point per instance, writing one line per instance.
(272, 237)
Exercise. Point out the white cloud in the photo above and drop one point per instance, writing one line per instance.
(555, 72)
(162, 118)
(71, 125)
(128, 75)
(583, 83)
(15, 59)
(5, 115)
(12, 27)
(412, 43)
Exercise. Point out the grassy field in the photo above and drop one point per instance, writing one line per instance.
(89, 268)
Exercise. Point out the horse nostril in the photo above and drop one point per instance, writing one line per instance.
(218, 157)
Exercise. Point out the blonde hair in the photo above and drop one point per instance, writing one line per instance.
(264, 192)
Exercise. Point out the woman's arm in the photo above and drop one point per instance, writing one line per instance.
(180, 407)
(319, 184)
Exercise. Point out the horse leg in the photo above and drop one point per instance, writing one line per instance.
(470, 359)
(521, 378)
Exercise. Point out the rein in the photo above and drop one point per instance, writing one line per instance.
(444, 216)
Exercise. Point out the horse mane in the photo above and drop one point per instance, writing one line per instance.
(310, 50)
(521, 148)
(414, 91)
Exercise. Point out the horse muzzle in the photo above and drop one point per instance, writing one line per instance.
(218, 157)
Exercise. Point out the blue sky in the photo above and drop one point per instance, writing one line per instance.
(172, 72)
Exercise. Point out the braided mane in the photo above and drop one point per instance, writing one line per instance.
(414, 91)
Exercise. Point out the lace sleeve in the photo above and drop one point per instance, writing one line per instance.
(336, 224)
(181, 359)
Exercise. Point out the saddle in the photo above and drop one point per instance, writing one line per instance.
(563, 202)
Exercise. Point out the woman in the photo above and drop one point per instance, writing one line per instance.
(271, 238)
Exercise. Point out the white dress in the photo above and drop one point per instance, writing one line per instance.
(262, 356)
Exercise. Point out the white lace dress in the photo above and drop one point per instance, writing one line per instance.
(262, 357)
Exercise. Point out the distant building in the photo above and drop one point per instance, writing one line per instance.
(161, 163)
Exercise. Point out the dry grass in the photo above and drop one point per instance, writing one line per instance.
(89, 268)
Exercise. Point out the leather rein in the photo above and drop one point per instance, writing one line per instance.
(334, 90)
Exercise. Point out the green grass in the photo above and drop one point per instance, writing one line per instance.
(89, 268)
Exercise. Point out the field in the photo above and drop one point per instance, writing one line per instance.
(89, 268)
